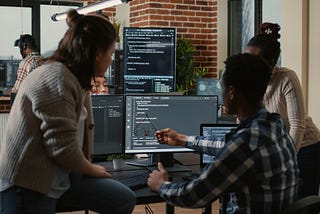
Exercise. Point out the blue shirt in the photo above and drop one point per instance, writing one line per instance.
(256, 169)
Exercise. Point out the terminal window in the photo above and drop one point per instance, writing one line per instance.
(149, 60)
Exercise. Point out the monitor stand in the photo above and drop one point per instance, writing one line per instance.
(165, 158)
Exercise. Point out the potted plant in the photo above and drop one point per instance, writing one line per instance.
(186, 73)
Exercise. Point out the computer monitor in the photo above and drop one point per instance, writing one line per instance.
(8, 72)
(108, 113)
(149, 60)
(209, 86)
(147, 113)
(219, 131)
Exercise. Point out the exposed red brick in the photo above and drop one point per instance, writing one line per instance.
(193, 19)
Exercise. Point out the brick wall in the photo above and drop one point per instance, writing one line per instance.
(4, 104)
(110, 12)
(193, 19)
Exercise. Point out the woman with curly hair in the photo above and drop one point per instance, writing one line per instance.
(284, 96)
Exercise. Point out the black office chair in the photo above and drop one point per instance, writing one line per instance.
(306, 205)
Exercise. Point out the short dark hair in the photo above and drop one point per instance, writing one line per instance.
(28, 40)
(248, 74)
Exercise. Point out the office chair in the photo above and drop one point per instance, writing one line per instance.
(306, 205)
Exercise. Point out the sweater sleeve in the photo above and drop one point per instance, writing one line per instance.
(295, 107)
(59, 127)
(57, 104)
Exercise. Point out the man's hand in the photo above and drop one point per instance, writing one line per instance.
(157, 178)
(170, 137)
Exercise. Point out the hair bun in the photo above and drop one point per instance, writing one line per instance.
(271, 29)
(73, 18)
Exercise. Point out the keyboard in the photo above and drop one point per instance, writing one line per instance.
(134, 179)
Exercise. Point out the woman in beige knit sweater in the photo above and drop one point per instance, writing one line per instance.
(284, 96)
(45, 153)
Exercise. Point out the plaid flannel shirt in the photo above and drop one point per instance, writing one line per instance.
(256, 169)
(26, 65)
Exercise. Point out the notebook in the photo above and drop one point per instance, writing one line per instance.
(209, 129)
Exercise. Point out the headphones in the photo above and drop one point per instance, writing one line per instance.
(22, 43)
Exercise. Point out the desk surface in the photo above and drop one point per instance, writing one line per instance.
(146, 196)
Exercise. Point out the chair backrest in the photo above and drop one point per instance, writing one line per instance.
(306, 205)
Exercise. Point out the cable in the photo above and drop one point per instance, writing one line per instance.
(148, 209)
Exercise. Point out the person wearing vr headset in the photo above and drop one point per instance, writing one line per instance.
(30, 57)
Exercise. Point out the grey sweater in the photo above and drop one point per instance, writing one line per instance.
(41, 131)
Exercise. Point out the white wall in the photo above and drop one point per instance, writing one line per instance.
(222, 26)
(271, 11)
(300, 48)
(292, 36)
(123, 16)
(314, 62)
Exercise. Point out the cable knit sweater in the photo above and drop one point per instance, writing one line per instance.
(284, 96)
(41, 131)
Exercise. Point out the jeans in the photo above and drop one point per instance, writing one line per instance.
(18, 200)
(309, 165)
(101, 195)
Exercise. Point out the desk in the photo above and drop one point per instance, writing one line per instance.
(146, 196)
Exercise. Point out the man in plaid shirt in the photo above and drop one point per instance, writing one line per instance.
(30, 55)
(256, 168)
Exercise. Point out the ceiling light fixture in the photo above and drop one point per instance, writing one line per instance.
(90, 8)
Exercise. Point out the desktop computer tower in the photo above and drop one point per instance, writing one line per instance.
(114, 73)
(117, 70)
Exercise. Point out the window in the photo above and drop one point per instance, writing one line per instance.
(51, 31)
(28, 17)
(12, 27)
(244, 18)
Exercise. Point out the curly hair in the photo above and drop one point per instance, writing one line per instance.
(267, 41)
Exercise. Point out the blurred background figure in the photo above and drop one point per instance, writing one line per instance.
(30, 57)
(99, 86)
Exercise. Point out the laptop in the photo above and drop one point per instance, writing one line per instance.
(217, 129)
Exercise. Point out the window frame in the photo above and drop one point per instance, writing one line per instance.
(35, 11)
(234, 38)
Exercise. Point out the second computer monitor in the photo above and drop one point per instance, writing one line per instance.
(149, 60)
(219, 131)
(108, 113)
(147, 113)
